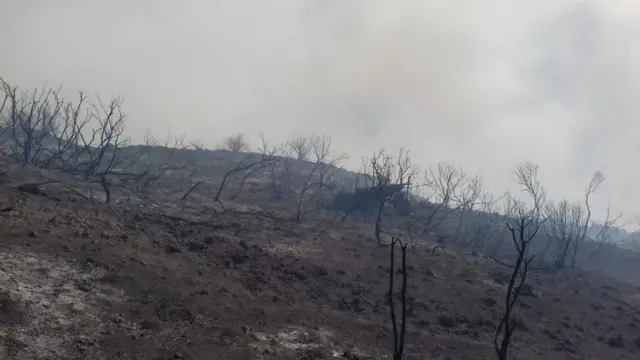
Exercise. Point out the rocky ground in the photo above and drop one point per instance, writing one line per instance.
(161, 279)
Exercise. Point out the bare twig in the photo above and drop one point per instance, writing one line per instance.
(319, 175)
(398, 333)
(191, 189)
(236, 143)
(523, 229)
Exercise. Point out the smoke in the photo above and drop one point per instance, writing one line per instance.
(482, 84)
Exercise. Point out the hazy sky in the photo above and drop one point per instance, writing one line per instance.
(483, 84)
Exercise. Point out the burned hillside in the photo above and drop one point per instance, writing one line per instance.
(167, 250)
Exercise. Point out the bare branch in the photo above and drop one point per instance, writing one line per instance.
(144, 165)
(466, 198)
(236, 143)
(250, 164)
(439, 188)
(603, 234)
(398, 332)
(523, 229)
(390, 176)
(196, 145)
(319, 176)
(568, 223)
(301, 147)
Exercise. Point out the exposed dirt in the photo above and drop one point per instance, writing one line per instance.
(137, 281)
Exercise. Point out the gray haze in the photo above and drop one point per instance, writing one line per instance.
(483, 84)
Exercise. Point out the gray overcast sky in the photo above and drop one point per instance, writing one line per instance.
(483, 84)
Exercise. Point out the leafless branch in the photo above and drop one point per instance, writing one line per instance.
(236, 143)
(567, 224)
(398, 331)
(439, 188)
(324, 161)
(248, 164)
(603, 235)
(523, 229)
(301, 147)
